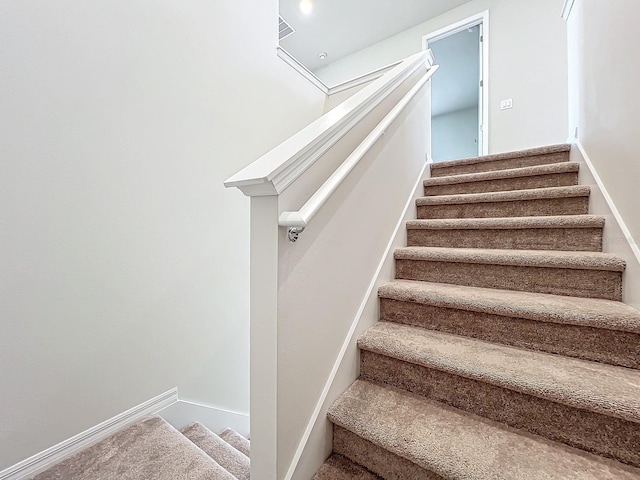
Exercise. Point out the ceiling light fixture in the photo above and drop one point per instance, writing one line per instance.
(306, 6)
(322, 55)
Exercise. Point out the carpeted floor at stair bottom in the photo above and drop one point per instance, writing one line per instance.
(153, 450)
(504, 350)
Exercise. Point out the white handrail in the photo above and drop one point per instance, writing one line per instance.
(273, 172)
(297, 221)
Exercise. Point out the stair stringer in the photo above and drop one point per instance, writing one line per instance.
(316, 444)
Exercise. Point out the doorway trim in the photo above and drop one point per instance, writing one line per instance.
(481, 18)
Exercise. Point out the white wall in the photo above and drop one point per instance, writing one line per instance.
(454, 135)
(124, 261)
(528, 63)
(605, 98)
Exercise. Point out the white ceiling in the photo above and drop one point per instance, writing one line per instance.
(342, 27)
(455, 86)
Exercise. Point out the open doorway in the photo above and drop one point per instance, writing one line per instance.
(459, 90)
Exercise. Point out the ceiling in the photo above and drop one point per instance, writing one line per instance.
(455, 84)
(341, 27)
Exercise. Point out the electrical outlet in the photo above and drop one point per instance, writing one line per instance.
(506, 104)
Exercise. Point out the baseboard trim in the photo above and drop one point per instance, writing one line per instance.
(349, 337)
(616, 214)
(43, 460)
(215, 419)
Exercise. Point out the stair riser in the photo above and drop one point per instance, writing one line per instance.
(595, 344)
(520, 208)
(558, 281)
(576, 239)
(502, 164)
(505, 184)
(596, 433)
(376, 459)
(337, 467)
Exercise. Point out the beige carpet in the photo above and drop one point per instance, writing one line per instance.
(504, 350)
(148, 450)
(236, 440)
(456, 445)
(232, 460)
(338, 467)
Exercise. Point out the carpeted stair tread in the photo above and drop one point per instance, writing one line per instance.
(553, 168)
(559, 153)
(561, 232)
(338, 467)
(510, 177)
(508, 196)
(508, 223)
(236, 440)
(592, 312)
(232, 460)
(596, 387)
(528, 258)
(458, 445)
(149, 449)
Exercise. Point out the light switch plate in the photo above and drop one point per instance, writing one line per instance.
(506, 104)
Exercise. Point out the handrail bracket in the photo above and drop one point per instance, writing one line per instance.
(293, 233)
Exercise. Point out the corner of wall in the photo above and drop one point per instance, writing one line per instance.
(215, 419)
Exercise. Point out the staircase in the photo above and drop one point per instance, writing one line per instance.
(503, 350)
(153, 449)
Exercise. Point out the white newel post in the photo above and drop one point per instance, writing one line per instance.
(264, 337)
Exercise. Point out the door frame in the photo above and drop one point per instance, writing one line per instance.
(482, 19)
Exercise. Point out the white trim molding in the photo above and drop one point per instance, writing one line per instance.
(566, 9)
(341, 87)
(215, 419)
(454, 28)
(616, 214)
(272, 173)
(43, 460)
(302, 70)
(481, 18)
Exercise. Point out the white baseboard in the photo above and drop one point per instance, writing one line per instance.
(215, 419)
(43, 460)
(614, 211)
